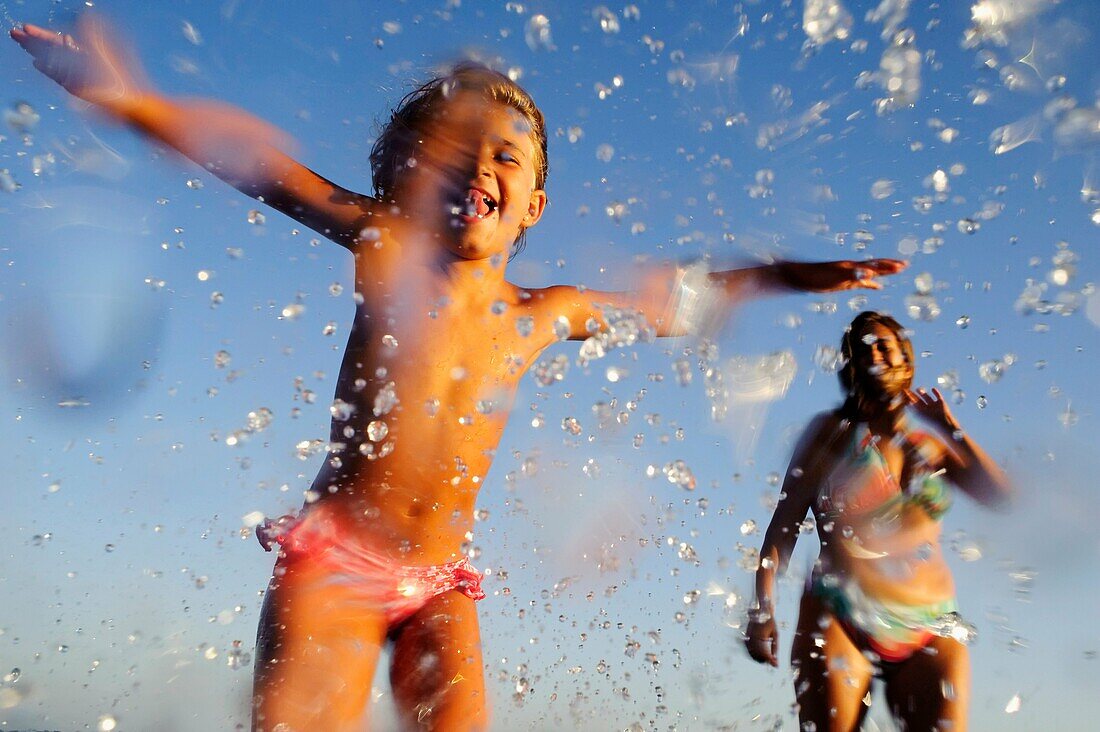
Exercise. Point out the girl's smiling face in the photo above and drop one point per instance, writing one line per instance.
(475, 175)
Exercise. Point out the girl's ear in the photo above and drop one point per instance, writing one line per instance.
(535, 208)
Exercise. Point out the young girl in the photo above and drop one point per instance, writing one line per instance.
(881, 600)
(438, 345)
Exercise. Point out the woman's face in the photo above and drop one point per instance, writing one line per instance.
(881, 362)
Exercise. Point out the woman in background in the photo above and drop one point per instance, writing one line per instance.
(881, 599)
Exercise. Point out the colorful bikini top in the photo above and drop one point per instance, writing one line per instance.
(861, 482)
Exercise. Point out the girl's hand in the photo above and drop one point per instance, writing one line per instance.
(88, 65)
(843, 275)
(762, 641)
(932, 408)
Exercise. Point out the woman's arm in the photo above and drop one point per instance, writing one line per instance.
(966, 463)
(240, 149)
(807, 469)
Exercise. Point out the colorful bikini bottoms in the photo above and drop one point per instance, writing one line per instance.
(893, 630)
(400, 591)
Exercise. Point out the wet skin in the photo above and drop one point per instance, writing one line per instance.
(429, 280)
(903, 564)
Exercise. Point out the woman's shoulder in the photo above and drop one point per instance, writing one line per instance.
(823, 431)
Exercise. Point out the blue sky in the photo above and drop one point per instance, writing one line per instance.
(705, 128)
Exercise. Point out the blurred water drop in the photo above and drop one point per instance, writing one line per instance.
(993, 370)
(609, 22)
(952, 625)
(549, 371)
(825, 20)
(678, 473)
(21, 118)
(8, 184)
(386, 399)
(882, 188)
(537, 33)
(256, 218)
(968, 226)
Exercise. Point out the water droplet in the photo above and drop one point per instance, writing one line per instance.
(256, 218)
(968, 226)
(260, 419)
(678, 473)
(537, 33)
(605, 153)
(825, 20)
(549, 371)
(386, 399)
(107, 723)
(963, 321)
(982, 402)
(21, 118)
(993, 370)
(8, 184)
(922, 307)
(329, 329)
(222, 359)
(389, 341)
(609, 22)
(881, 189)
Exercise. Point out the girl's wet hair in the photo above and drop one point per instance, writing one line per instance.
(398, 139)
(851, 342)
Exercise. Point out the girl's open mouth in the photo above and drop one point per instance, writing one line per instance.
(477, 205)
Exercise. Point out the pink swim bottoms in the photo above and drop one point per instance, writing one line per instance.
(398, 590)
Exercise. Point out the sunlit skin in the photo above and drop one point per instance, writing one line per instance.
(834, 677)
(432, 279)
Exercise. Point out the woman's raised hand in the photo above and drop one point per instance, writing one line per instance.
(932, 408)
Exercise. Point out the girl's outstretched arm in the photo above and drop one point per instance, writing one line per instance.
(677, 301)
(240, 149)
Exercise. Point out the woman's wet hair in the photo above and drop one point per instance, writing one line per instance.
(397, 141)
(852, 342)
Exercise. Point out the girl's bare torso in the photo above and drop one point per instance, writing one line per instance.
(421, 402)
